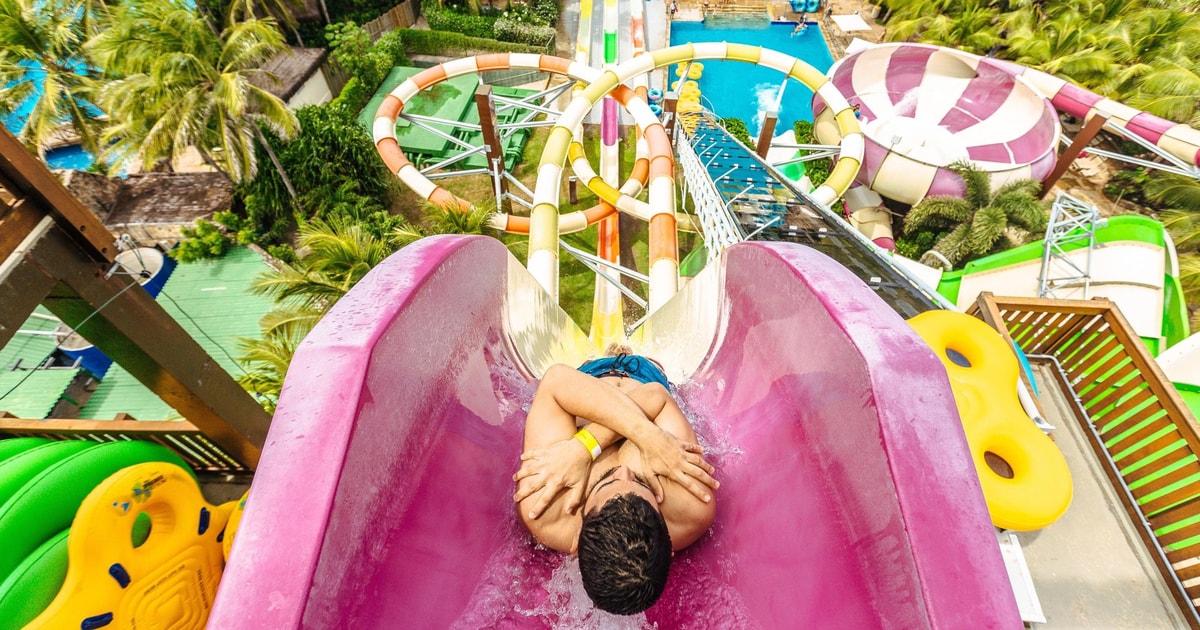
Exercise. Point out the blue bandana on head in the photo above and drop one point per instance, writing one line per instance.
(632, 366)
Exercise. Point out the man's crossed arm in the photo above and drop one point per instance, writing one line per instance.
(554, 462)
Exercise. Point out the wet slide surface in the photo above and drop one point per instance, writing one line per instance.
(384, 493)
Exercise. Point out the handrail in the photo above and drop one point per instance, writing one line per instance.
(181, 436)
(1139, 420)
(719, 228)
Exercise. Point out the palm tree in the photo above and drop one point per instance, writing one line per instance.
(41, 58)
(1176, 191)
(449, 220)
(1065, 45)
(282, 11)
(336, 254)
(1169, 89)
(972, 28)
(182, 84)
(981, 222)
(1181, 197)
(265, 364)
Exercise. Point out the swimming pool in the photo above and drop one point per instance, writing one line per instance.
(69, 157)
(735, 89)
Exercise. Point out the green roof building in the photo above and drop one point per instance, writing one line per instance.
(210, 299)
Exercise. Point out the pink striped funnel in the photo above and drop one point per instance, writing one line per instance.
(923, 108)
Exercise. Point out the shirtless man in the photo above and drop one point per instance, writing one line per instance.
(611, 471)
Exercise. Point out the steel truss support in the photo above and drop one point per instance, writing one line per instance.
(1071, 221)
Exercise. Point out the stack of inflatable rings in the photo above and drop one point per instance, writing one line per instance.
(693, 72)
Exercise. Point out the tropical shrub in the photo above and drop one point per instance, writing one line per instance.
(816, 170)
(334, 166)
(201, 241)
(980, 222)
(737, 128)
(540, 13)
(350, 47)
(358, 11)
(545, 11)
(1129, 185)
(211, 239)
(422, 42)
(451, 20)
(508, 30)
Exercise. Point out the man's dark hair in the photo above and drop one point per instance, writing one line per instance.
(624, 555)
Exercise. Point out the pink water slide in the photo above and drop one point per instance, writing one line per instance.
(383, 499)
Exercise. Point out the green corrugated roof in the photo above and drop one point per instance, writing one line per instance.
(36, 395)
(215, 294)
(29, 349)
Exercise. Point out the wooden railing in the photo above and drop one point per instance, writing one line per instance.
(1137, 422)
(181, 436)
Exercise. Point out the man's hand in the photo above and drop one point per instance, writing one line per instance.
(550, 471)
(667, 456)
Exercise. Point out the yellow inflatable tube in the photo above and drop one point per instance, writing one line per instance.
(695, 71)
(117, 579)
(983, 374)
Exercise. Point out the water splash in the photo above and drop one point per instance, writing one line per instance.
(769, 96)
(719, 448)
(568, 603)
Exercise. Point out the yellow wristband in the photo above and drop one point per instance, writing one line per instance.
(589, 442)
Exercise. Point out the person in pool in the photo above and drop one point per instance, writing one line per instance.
(611, 471)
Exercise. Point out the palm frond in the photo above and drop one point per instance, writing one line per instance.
(937, 212)
(1184, 227)
(953, 246)
(987, 228)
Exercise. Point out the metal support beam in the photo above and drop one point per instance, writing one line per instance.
(1071, 221)
(1093, 126)
(767, 132)
(492, 144)
(670, 116)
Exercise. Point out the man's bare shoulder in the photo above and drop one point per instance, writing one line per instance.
(688, 518)
(554, 529)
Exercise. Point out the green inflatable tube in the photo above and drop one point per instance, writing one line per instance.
(15, 446)
(46, 505)
(34, 583)
(17, 471)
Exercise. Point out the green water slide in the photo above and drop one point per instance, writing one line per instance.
(1191, 396)
(42, 485)
(1119, 228)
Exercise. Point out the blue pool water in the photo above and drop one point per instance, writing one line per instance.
(734, 89)
(72, 157)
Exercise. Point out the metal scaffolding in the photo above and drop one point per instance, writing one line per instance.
(1072, 221)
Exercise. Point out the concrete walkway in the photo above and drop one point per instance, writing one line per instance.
(1090, 568)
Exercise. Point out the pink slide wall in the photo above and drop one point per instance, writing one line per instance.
(383, 498)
